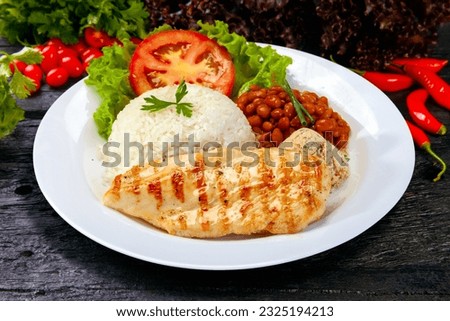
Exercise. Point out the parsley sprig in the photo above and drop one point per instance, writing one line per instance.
(156, 104)
(14, 83)
(20, 85)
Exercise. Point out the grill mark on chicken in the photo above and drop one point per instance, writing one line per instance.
(205, 226)
(318, 172)
(265, 183)
(177, 180)
(223, 195)
(244, 191)
(286, 182)
(154, 188)
(221, 184)
(199, 173)
(136, 185)
(115, 190)
(305, 197)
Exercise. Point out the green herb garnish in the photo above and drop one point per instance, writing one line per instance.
(20, 85)
(299, 108)
(14, 84)
(156, 104)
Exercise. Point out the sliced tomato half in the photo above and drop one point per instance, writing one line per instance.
(168, 57)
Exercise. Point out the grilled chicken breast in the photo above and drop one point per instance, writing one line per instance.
(309, 142)
(229, 191)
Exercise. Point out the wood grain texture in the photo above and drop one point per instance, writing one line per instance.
(405, 256)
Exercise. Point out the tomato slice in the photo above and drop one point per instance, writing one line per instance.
(168, 57)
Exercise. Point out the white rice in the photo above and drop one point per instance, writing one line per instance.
(215, 118)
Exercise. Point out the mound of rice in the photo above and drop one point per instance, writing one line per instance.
(215, 118)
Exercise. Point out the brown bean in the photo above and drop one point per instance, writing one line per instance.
(255, 121)
(273, 101)
(283, 123)
(322, 101)
(295, 122)
(336, 116)
(242, 100)
(319, 110)
(263, 111)
(283, 95)
(289, 110)
(250, 109)
(327, 113)
(267, 126)
(277, 113)
(261, 93)
(312, 97)
(325, 125)
(337, 132)
(277, 136)
(307, 98)
(310, 107)
(258, 101)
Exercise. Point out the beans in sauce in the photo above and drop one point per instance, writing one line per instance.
(273, 117)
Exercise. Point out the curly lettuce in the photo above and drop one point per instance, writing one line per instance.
(109, 75)
(254, 64)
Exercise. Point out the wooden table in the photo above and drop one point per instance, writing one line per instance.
(405, 256)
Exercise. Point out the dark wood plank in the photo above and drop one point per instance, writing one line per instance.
(405, 256)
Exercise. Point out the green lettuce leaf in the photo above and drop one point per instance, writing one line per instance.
(109, 75)
(10, 113)
(254, 64)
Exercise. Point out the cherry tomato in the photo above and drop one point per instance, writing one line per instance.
(94, 52)
(72, 65)
(55, 42)
(57, 77)
(50, 61)
(79, 47)
(97, 38)
(34, 72)
(19, 64)
(39, 47)
(65, 52)
(168, 57)
(90, 54)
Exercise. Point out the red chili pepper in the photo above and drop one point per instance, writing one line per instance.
(435, 85)
(421, 139)
(415, 102)
(431, 64)
(387, 81)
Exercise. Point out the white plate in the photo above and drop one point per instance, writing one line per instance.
(382, 160)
